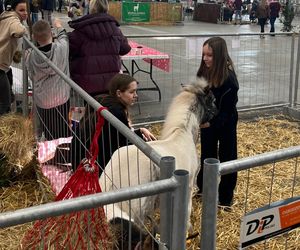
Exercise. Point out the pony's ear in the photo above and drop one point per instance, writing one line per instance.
(182, 85)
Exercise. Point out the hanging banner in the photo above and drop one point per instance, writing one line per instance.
(133, 12)
(270, 221)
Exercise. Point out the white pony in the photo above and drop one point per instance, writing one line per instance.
(129, 166)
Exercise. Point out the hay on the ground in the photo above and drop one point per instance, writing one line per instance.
(254, 137)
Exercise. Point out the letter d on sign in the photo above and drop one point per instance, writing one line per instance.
(253, 225)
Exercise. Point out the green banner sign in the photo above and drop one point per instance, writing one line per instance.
(135, 12)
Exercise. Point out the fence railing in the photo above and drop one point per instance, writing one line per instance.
(213, 169)
(266, 79)
(169, 205)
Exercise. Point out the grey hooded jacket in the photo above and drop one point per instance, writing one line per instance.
(49, 89)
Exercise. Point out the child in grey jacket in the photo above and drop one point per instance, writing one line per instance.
(50, 92)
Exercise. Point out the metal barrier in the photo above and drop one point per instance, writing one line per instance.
(177, 185)
(266, 79)
(213, 169)
(173, 227)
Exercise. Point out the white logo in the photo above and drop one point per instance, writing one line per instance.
(136, 8)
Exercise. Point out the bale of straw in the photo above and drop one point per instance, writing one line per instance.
(17, 143)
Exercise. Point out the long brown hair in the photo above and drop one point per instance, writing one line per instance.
(222, 63)
(119, 82)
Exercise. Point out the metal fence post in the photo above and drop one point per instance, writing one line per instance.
(180, 210)
(25, 83)
(292, 70)
(297, 74)
(167, 167)
(211, 178)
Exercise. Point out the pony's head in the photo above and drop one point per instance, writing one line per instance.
(193, 106)
(205, 104)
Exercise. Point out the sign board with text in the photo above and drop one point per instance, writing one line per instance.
(270, 221)
(135, 12)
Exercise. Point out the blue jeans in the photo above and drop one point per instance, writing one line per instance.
(238, 14)
(34, 17)
(272, 22)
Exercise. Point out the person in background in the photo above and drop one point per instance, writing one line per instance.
(51, 93)
(274, 13)
(9, 72)
(11, 30)
(60, 5)
(227, 13)
(86, 7)
(47, 9)
(34, 10)
(75, 10)
(96, 44)
(262, 14)
(219, 136)
(7, 5)
(1, 6)
(122, 95)
(238, 10)
(253, 11)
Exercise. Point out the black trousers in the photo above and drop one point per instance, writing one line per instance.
(262, 22)
(5, 93)
(220, 143)
(54, 123)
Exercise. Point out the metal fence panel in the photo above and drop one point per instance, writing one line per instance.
(270, 188)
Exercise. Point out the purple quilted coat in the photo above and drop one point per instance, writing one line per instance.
(96, 44)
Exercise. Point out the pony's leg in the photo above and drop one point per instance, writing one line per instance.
(190, 203)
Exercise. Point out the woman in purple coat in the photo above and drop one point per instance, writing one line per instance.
(96, 44)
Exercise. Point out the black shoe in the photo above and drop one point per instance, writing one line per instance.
(225, 203)
(226, 206)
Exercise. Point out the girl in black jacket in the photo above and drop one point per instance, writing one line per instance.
(122, 95)
(219, 136)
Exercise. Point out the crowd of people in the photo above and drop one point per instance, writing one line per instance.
(92, 53)
(257, 11)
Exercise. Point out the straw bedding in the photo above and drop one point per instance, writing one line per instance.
(255, 137)
(253, 188)
(21, 194)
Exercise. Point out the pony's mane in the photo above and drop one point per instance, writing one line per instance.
(180, 112)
